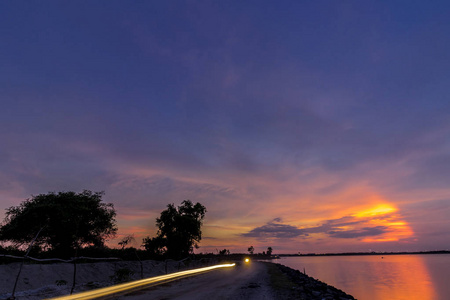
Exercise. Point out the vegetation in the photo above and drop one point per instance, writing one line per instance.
(68, 224)
(61, 282)
(279, 280)
(65, 221)
(155, 246)
(179, 230)
(122, 275)
(126, 240)
(224, 252)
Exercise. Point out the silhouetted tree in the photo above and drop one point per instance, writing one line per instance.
(68, 221)
(126, 240)
(269, 251)
(179, 230)
(224, 252)
(251, 249)
(154, 246)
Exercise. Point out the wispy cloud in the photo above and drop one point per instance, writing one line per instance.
(155, 103)
(276, 230)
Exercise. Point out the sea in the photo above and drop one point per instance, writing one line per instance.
(380, 277)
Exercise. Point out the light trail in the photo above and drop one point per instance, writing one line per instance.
(129, 286)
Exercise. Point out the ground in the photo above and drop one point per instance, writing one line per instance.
(242, 282)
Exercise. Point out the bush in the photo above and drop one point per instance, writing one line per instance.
(122, 275)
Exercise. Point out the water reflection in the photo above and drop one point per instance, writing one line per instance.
(375, 278)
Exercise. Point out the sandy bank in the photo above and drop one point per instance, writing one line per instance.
(39, 281)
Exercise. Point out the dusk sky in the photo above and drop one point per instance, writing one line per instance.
(307, 126)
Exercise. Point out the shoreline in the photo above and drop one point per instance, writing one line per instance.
(367, 253)
(44, 280)
(301, 286)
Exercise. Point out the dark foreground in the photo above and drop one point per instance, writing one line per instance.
(258, 280)
(253, 281)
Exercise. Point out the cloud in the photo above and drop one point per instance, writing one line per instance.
(193, 105)
(364, 232)
(157, 191)
(348, 227)
(276, 230)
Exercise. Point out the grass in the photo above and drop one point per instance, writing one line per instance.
(278, 279)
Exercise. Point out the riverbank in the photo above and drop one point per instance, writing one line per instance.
(292, 284)
(258, 280)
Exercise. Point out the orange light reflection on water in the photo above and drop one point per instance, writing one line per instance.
(402, 277)
(371, 277)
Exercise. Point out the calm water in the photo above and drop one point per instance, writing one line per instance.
(374, 278)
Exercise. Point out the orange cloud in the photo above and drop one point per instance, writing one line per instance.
(385, 215)
(380, 223)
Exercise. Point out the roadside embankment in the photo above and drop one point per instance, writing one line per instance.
(252, 281)
(288, 283)
(38, 281)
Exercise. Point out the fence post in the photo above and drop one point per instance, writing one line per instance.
(23, 261)
(140, 262)
(74, 275)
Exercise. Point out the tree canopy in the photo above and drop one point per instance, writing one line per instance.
(179, 230)
(68, 221)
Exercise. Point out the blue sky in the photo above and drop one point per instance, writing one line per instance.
(303, 112)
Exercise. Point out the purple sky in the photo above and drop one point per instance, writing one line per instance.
(311, 126)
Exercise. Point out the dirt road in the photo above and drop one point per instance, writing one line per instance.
(241, 282)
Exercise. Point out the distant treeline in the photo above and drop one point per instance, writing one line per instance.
(368, 253)
(128, 254)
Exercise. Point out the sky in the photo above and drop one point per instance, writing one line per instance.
(305, 126)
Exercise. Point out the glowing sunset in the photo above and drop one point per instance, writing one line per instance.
(300, 126)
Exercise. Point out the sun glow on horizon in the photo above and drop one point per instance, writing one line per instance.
(381, 209)
(385, 216)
